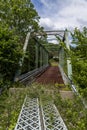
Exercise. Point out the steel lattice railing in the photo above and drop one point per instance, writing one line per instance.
(36, 116)
(51, 117)
(29, 118)
(31, 74)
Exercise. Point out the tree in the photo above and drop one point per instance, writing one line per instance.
(10, 53)
(17, 18)
(19, 14)
(79, 57)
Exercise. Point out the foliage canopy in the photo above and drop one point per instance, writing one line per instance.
(17, 18)
(79, 57)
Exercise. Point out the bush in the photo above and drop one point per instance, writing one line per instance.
(10, 53)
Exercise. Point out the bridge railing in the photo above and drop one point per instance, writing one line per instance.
(31, 74)
(65, 66)
(64, 56)
(34, 59)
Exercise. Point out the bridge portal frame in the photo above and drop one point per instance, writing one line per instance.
(63, 35)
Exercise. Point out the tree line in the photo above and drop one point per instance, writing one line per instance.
(17, 18)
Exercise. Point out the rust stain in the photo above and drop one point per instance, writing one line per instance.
(51, 76)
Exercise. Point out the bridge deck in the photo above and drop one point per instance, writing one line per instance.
(51, 76)
(35, 115)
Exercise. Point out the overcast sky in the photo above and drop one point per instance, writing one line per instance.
(61, 14)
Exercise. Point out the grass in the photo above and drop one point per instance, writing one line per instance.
(53, 62)
(72, 111)
(10, 106)
(62, 87)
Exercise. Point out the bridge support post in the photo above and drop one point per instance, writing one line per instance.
(47, 58)
(69, 65)
(37, 57)
(44, 57)
(61, 57)
(24, 50)
(41, 56)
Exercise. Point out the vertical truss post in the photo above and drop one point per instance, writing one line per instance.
(24, 50)
(47, 58)
(61, 57)
(61, 51)
(44, 56)
(25, 46)
(37, 57)
(26, 42)
(41, 56)
(69, 65)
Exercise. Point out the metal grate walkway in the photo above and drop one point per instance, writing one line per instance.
(29, 118)
(51, 117)
(34, 116)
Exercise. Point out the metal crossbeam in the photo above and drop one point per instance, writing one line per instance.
(51, 117)
(36, 117)
(29, 118)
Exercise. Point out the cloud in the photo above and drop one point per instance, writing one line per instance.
(76, 9)
(52, 39)
(47, 23)
(63, 13)
(50, 4)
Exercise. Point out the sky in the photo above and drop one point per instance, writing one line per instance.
(61, 14)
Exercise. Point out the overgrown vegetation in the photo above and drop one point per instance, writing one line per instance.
(79, 57)
(79, 60)
(72, 111)
(14, 25)
(52, 49)
(19, 15)
(10, 106)
(9, 53)
(53, 62)
(29, 60)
